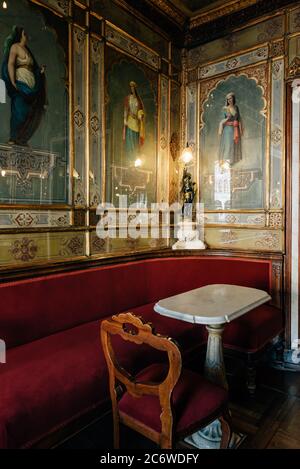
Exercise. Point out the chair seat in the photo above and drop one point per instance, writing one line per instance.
(195, 401)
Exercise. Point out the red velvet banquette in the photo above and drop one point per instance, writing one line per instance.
(55, 370)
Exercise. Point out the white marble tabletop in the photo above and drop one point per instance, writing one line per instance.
(212, 304)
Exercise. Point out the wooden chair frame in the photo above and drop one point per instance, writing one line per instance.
(134, 329)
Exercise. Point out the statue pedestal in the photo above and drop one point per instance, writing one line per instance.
(188, 236)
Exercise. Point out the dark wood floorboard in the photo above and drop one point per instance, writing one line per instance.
(270, 419)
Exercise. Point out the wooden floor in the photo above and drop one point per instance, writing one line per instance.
(268, 420)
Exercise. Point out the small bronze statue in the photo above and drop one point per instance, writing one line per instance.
(188, 193)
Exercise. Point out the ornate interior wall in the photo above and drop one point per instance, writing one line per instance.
(78, 155)
(242, 186)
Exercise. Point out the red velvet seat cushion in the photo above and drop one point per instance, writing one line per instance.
(196, 401)
(50, 381)
(255, 329)
(53, 380)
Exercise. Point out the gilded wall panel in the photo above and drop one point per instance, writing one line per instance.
(22, 249)
(258, 219)
(244, 239)
(233, 63)
(294, 20)
(191, 124)
(131, 46)
(23, 219)
(277, 135)
(237, 41)
(174, 143)
(96, 120)
(80, 48)
(163, 141)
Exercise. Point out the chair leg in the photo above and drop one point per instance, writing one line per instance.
(225, 421)
(116, 423)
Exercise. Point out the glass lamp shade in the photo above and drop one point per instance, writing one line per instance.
(187, 155)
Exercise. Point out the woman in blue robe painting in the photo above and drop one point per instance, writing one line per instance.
(230, 130)
(134, 123)
(25, 84)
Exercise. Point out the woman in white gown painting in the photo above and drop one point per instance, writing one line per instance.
(230, 131)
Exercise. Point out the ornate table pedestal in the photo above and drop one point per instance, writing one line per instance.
(214, 306)
(214, 370)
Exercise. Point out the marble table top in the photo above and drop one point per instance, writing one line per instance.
(212, 304)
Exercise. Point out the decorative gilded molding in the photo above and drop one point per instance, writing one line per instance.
(163, 142)
(72, 246)
(129, 45)
(277, 49)
(277, 68)
(275, 220)
(276, 270)
(223, 10)
(294, 68)
(79, 217)
(27, 219)
(79, 119)
(192, 75)
(23, 250)
(61, 6)
(275, 199)
(170, 10)
(95, 197)
(96, 50)
(174, 146)
(276, 136)
(95, 123)
(59, 220)
(183, 99)
(229, 237)
(79, 197)
(272, 29)
(268, 240)
(234, 63)
(26, 163)
(235, 219)
(79, 39)
(100, 245)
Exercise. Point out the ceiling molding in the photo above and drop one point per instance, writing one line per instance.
(217, 12)
(170, 10)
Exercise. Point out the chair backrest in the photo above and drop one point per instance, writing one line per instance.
(134, 329)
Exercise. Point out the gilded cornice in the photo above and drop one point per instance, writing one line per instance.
(170, 10)
(223, 10)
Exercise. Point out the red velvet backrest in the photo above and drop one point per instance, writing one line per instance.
(35, 308)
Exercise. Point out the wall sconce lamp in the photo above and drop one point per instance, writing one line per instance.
(4, 5)
(187, 154)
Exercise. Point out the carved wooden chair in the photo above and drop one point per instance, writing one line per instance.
(163, 402)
